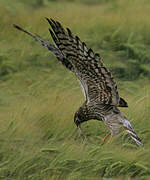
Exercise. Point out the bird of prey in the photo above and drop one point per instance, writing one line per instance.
(99, 88)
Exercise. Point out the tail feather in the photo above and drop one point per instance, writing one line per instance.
(131, 132)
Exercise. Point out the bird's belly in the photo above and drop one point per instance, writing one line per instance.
(114, 127)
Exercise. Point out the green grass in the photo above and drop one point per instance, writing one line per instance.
(38, 97)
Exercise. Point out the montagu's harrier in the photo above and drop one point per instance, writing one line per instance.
(99, 88)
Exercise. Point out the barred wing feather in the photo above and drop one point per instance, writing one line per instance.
(95, 80)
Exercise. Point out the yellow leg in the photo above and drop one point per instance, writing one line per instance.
(109, 140)
(104, 139)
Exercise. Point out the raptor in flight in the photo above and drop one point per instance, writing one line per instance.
(99, 88)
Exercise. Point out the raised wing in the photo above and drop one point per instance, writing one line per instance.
(96, 81)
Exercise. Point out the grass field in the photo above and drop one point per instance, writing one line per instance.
(38, 96)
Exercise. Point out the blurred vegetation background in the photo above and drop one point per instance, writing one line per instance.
(38, 96)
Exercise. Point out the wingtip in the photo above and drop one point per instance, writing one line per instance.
(122, 103)
(54, 22)
(49, 20)
(16, 26)
(46, 18)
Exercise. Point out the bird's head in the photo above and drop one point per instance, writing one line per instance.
(79, 117)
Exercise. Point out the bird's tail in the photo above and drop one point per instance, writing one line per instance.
(127, 126)
(50, 47)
